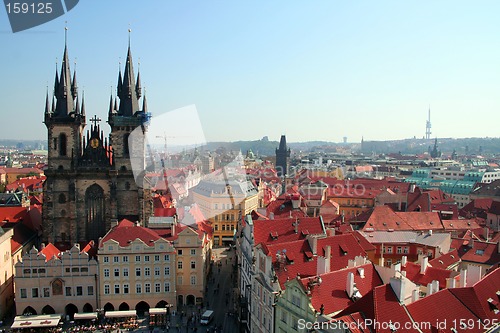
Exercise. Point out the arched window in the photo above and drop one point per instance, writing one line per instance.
(94, 206)
(125, 144)
(62, 144)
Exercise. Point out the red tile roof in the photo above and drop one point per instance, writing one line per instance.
(27, 184)
(127, 231)
(384, 218)
(381, 305)
(50, 251)
(477, 207)
(431, 273)
(481, 252)
(446, 260)
(285, 229)
(331, 293)
(443, 307)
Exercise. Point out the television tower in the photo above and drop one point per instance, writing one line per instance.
(428, 126)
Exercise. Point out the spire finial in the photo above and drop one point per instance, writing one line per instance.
(65, 33)
(129, 31)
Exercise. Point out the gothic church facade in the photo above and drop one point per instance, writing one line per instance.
(90, 182)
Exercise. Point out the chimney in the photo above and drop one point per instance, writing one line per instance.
(430, 232)
(450, 283)
(330, 232)
(361, 272)
(271, 215)
(173, 232)
(423, 264)
(350, 284)
(412, 188)
(404, 260)
(486, 233)
(414, 295)
(328, 252)
(398, 285)
(435, 286)
(430, 289)
(313, 244)
(463, 278)
(295, 201)
(381, 261)
(323, 263)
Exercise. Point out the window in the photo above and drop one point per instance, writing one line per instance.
(125, 258)
(68, 291)
(157, 257)
(193, 252)
(24, 294)
(147, 288)
(399, 250)
(79, 291)
(83, 270)
(62, 144)
(27, 271)
(167, 257)
(146, 258)
(117, 288)
(388, 249)
(179, 252)
(296, 300)
(147, 271)
(117, 272)
(157, 287)
(138, 271)
(116, 259)
(125, 272)
(137, 258)
(179, 264)
(157, 271)
(138, 288)
(193, 264)
(46, 292)
(90, 290)
(110, 248)
(106, 272)
(193, 280)
(406, 250)
(179, 280)
(125, 288)
(166, 287)
(167, 270)
(106, 259)
(284, 316)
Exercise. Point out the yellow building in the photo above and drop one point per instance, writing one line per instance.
(6, 272)
(222, 203)
(136, 269)
(192, 263)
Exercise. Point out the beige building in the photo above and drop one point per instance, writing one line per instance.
(137, 269)
(50, 281)
(6, 273)
(222, 203)
(192, 263)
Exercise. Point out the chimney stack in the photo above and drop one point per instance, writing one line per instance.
(271, 215)
(450, 283)
(423, 264)
(361, 272)
(404, 260)
(414, 295)
(435, 286)
(430, 289)
(350, 284)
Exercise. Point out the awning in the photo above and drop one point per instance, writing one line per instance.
(86, 315)
(157, 311)
(118, 314)
(36, 321)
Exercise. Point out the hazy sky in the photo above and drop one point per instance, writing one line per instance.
(314, 70)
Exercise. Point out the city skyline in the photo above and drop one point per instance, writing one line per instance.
(280, 69)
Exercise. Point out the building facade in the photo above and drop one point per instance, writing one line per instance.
(49, 282)
(90, 182)
(6, 273)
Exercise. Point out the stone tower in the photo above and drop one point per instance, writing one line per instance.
(282, 157)
(90, 183)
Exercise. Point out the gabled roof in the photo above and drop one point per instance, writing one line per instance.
(285, 230)
(443, 307)
(127, 231)
(477, 207)
(331, 293)
(446, 260)
(495, 208)
(483, 297)
(480, 252)
(431, 273)
(49, 251)
(384, 218)
(381, 305)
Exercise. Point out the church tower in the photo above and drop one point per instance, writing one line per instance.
(90, 183)
(282, 157)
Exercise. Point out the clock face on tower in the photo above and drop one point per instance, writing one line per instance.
(94, 143)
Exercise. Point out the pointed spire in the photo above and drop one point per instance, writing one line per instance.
(110, 112)
(120, 81)
(77, 106)
(115, 108)
(127, 90)
(56, 81)
(64, 88)
(138, 87)
(144, 104)
(47, 106)
(282, 146)
(82, 112)
(74, 86)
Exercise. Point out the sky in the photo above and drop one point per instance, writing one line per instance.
(313, 70)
